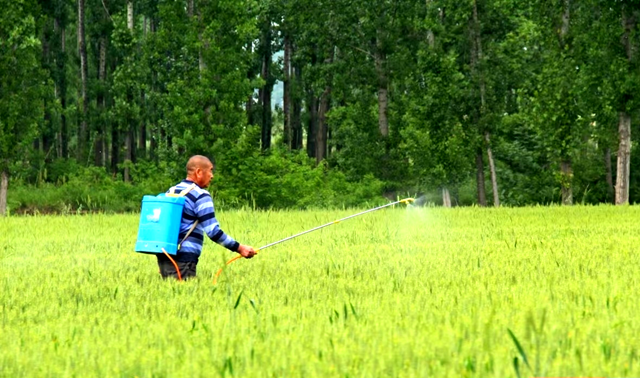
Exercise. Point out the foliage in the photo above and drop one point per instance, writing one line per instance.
(404, 96)
(275, 181)
(22, 82)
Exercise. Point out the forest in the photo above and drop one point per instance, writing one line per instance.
(475, 102)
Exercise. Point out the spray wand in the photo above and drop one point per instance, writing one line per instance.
(405, 201)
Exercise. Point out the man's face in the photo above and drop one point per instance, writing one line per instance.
(206, 174)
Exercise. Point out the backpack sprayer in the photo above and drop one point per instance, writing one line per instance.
(405, 201)
(159, 227)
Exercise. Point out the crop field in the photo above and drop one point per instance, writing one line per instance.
(401, 292)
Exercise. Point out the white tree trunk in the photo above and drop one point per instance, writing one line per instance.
(322, 129)
(383, 91)
(130, 14)
(446, 198)
(492, 169)
(624, 159)
(609, 170)
(482, 196)
(566, 174)
(4, 184)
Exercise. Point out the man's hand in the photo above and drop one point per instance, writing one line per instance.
(246, 251)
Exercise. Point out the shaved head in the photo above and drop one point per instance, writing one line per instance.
(198, 161)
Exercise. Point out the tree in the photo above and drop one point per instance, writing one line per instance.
(627, 100)
(22, 86)
(83, 136)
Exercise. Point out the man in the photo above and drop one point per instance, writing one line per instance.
(198, 207)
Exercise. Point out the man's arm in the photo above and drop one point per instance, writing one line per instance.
(206, 216)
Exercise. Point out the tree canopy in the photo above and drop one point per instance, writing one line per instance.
(525, 102)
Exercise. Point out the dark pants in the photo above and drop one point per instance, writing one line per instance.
(167, 269)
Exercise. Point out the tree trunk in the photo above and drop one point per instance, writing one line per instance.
(322, 129)
(312, 106)
(265, 99)
(383, 98)
(190, 8)
(127, 156)
(623, 170)
(130, 14)
(129, 142)
(204, 45)
(142, 140)
(609, 174)
(296, 124)
(286, 100)
(4, 185)
(479, 57)
(82, 50)
(477, 67)
(482, 197)
(492, 169)
(566, 173)
(115, 149)
(47, 135)
(142, 131)
(431, 39)
(249, 103)
(383, 104)
(446, 198)
(99, 141)
(61, 91)
(624, 159)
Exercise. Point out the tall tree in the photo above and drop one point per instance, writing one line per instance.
(266, 73)
(286, 97)
(83, 136)
(22, 86)
(478, 71)
(629, 16)
(60, 73)
(129, 143)
(100, 27)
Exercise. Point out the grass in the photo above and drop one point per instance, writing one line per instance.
(542, 291)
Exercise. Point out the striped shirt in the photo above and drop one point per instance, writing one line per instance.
(199, 206)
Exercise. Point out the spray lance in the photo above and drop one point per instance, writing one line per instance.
(405, 201)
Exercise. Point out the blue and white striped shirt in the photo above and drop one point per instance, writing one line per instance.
(199, 206)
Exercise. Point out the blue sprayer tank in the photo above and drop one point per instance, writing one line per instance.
(159, 227)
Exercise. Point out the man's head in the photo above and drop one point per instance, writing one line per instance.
(200, 170)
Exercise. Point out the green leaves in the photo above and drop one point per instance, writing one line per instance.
(521, 351)
(22, 82)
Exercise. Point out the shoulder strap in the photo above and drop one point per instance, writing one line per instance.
(186, 190)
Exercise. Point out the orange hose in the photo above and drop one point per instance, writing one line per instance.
(215, 279)
(174, 264)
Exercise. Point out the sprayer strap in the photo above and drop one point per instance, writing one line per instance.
(188, 233)
(184, 191)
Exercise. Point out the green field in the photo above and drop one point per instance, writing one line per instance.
(398, 293)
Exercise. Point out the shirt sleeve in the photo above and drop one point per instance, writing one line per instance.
(206, 216)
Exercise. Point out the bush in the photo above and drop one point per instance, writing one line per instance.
(279, 179)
